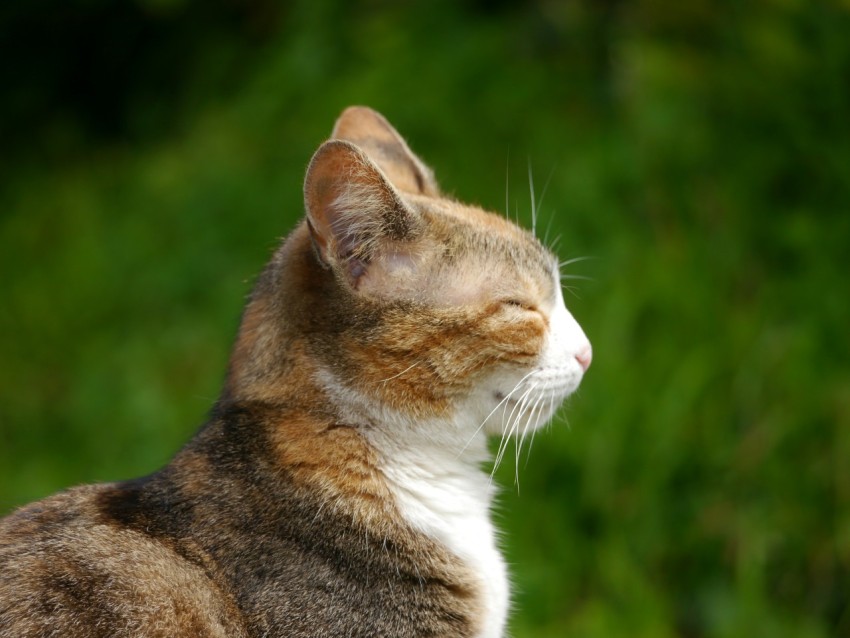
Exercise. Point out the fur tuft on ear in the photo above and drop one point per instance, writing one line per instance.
(370, 131)
(352, 209)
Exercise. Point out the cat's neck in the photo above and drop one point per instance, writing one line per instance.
(432, 467)
(434, 474)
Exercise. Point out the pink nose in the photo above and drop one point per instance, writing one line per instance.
(585, 356)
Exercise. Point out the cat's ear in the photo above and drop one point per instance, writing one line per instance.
(353, 212)
(370, 131)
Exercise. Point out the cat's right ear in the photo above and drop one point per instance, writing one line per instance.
(353, 211)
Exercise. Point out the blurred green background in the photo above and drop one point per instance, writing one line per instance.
(699, 152)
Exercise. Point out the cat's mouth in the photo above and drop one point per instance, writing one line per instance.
(506, 400)
(538, 393)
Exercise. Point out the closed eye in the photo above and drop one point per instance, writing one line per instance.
(519, 303)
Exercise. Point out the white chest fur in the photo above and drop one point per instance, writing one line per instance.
(433, 469)
(448, 498)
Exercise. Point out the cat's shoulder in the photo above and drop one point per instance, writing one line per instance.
(69, 568)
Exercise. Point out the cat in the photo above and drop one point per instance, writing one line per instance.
(337, 488)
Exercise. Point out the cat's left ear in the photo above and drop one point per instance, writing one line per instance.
(371, 131)
(353, 212)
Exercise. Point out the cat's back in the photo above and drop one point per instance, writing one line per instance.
(66, 570)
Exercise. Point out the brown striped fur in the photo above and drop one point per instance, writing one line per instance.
(276, 519)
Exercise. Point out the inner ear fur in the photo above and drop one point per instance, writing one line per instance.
(370, 131)
(353, 211)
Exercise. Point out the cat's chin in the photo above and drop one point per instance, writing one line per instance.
(518, 406)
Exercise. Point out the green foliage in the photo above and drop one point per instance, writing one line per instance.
(699, 153)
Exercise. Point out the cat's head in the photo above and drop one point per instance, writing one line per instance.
(394, 303)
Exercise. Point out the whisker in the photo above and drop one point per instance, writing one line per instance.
(545, 187)
(574, 260)
(537, 423)
(523, 435)
(533, 388)
(539, 415)
(533, 206)
(507, 432)
(407, 369)
(498, 405)
(548, 229)
(534, 431)
(537, 403)
(520, 409)
(518, 443)
(507, 178)
(503, 444)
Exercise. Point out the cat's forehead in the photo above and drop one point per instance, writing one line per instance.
(472, 229)
(474, 257)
